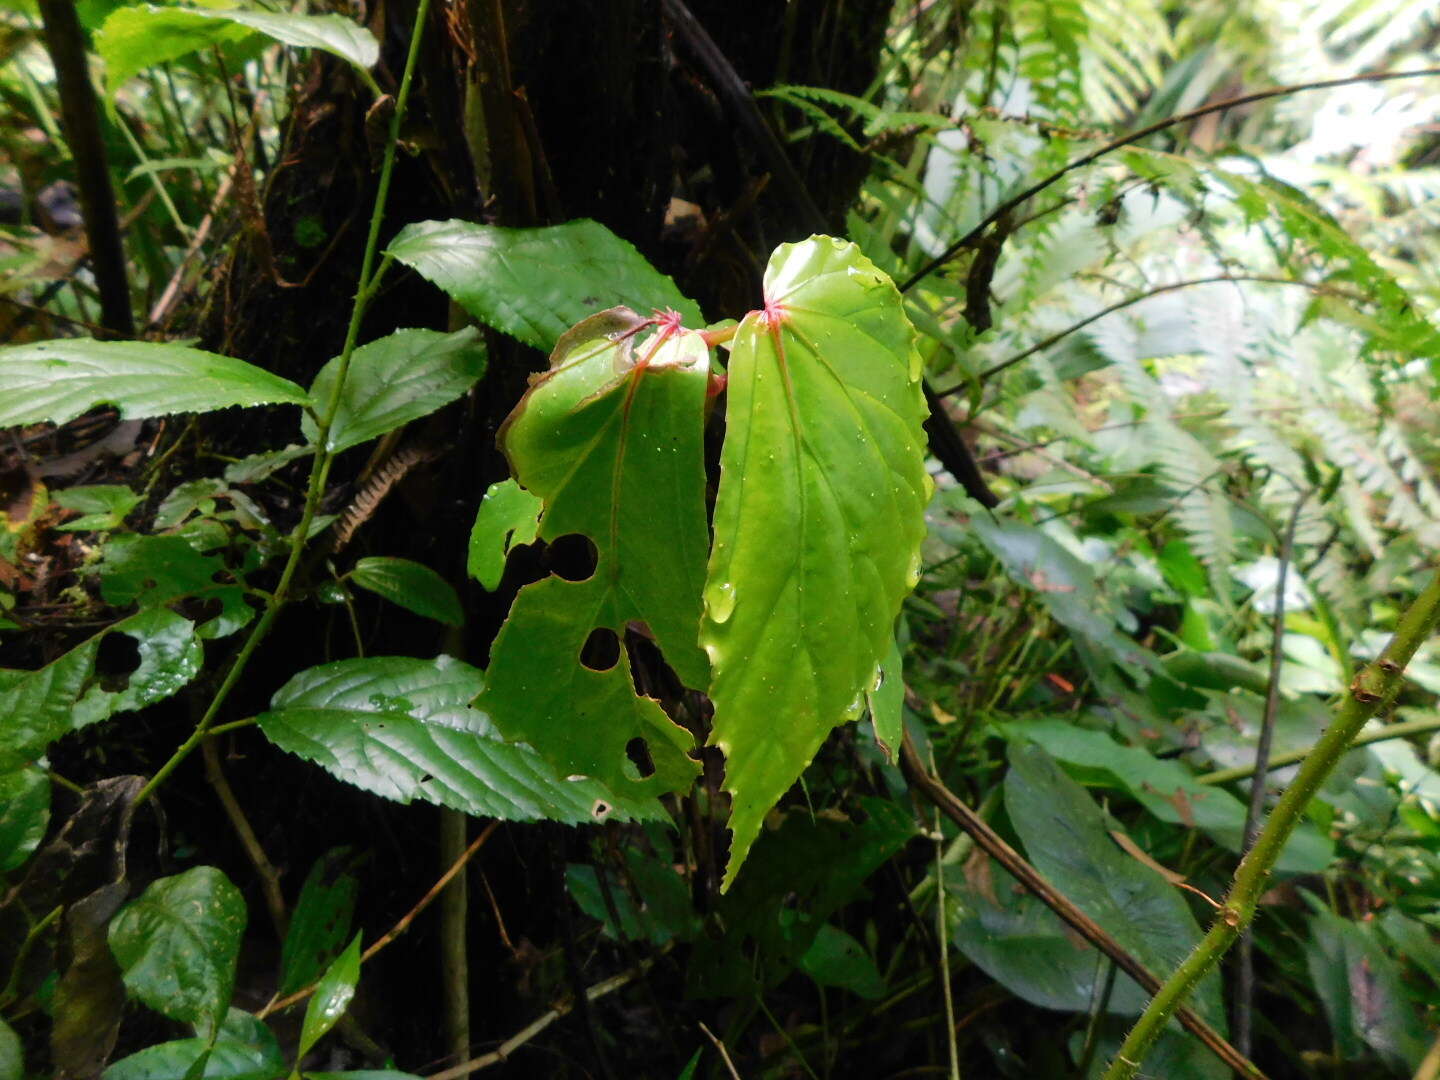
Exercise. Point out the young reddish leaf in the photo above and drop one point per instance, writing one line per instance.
(611, 439)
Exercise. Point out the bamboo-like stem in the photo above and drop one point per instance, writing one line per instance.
(1290, 757)
(320, 466)
(1377, 683)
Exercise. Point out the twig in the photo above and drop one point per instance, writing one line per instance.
(535, 1027)
(1290, 757)
(1376, 684)
(719, 1048)
(65, 40)
(1040, 887)
(1255, 810)
(401, 926)
(269, 876)
(942, 934)
(1135, 136)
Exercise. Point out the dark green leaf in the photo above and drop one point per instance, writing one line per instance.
(66, 695)
(611, 438)
(818, 521)
(177, 1060)
(24, 814)
(155, 570)
(394, 380)
(177, 945)
(404, 729)
(59, 380)
(1067, 837)
(412, 585)
(509, 516)
(837, 959)
(332, 997)
(534, 284)
(320, 923)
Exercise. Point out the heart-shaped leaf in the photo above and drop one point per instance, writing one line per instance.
(611, 439)
(819, 517)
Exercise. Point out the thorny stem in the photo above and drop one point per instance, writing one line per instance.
(1376, 684)
(320, 466)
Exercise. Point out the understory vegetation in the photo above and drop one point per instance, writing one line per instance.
(691, 539)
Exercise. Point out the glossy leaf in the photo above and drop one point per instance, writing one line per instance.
(66, 695)
(819, 517)
(1067, 837)
(404, 729)
(887, 703)
(394, 380)
(413, 586)
(59, 380)
(141, 36)
(611, 438)
(178, 1060)
(177, 945)
(534, 284)
(24, 814)
(509, 516)
(320, 922)
(333, 994)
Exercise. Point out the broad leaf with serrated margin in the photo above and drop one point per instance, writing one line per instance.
(394, 380)
(611, 438)
(59, 380)
(534, 284)
(404, 729)
(819, 517)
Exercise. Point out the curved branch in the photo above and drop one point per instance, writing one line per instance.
(1135, 136)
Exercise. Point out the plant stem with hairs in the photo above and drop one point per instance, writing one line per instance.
(365, 291)
(1377, 683)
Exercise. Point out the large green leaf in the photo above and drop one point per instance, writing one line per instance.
(177, 945)
(59, 380)
(24, 814)
(1067, 837)
(534, 284)
(397, 379)
(68, 693)
(181, 1060)
(411, 585)
(404, 729)
(138, 37)
(819, 517)
(611, 438)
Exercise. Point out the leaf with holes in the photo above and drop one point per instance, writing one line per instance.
(819, 517)
(611, 438)
(70, 692)
(414, 586)
(404, 729)
(534, 284)
(138, 37)
(59, 380)
(509, 516)
(177, 945)
(394, 380)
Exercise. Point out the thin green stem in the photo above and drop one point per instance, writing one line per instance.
(1290, 757)
(320, 466)
(12, 984)
(1376, 684)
